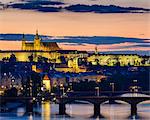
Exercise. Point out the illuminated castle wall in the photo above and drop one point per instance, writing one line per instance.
(53, 53)
(38, 45)
(112, 59)
(102, 59)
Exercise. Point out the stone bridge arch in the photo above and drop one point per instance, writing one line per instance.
(97, 101)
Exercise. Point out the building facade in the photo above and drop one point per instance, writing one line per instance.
(38, 45)
(53, 54)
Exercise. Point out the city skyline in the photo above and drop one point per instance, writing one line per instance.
(74, 59)
(57, 22)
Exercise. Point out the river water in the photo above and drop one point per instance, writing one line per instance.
(48, 111)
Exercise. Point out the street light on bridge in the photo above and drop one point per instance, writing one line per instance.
(112, 86)
(97, 90)
(135, 88)
(98, 87)
(63, 89)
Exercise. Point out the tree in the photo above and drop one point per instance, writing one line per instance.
(5, 59)
(12, 58)
(11, 92)
(30, 58)
(33, 84)
(42, 59)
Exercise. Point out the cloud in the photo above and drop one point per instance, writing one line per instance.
(103, 43)
(37, 5)
(54, 37)
(126, 45)
(105, 9)
(98, 40)
(73, 44)
(57, 6)
(107, 47)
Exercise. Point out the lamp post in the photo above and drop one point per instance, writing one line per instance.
(70, 85)
(62, 88)
(63, 91)
(12, 82)
(98, 87)
(135, 87)
(112, 86)
(113, 89)
(97, 91)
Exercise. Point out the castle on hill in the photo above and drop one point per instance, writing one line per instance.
(38, 45)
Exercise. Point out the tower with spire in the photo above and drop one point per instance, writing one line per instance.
(96, 51)
(23, 42)
(38, 45)
(37, 41)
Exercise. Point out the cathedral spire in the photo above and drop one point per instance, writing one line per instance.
(37, 41)
(23, 42)
(36, 32)
(96, 51)
(23, 36)
(36, 36)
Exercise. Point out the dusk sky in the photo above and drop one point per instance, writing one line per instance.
(69, 23)
(132, 3)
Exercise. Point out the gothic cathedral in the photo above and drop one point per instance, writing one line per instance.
(38, 45)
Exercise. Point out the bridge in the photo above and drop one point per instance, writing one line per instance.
(132, 99)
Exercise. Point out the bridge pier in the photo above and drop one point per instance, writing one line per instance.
(97, 111)
(133, 109)
(62, 109)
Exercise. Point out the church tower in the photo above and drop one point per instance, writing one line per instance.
(37, 41)
(23, 43)
(96, 51)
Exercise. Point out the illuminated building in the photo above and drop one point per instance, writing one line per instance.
(114, 59)
(38, 45)
(9, 81)
(51, 51)
(46, 111)
(71, 59)
(47, 83)
(35, 69)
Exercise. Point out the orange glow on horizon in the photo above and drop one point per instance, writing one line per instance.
(75, 24)
(16, 45)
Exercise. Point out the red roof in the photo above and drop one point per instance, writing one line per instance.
(46, 77)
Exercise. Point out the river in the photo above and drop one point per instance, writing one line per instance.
(48, 111)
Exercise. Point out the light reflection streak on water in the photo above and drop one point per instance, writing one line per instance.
(20, 111)
(30, 117)
(80, 111)
(46, 111)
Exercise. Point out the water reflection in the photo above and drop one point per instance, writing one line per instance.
(20, 111)
(30, 117)
(46, 110)
(78, 111)
(115, 111)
